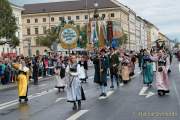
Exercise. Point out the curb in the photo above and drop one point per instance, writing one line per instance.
(10, 87)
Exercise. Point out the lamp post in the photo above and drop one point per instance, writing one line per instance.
(29, 48)
(96, 15)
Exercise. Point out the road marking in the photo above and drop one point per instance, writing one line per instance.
(91, 77)
(3, 104)
(176, 91)
(150, 94)
(59, 99)
(109, 93)
(30, 97)
(143, 90)
(136, 75)
(77, 115)
(43, 85)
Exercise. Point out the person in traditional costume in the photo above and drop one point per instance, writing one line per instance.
(60, 81)
(162, 81)
(147, 69)
(140, 59)
(22, 83)
(82, 76)
(75, 91)
(132, 63)
(125, 68)
(100, 76)
(36, 71)
(114, 62)
(178, 58)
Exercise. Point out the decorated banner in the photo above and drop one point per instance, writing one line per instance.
(102, 41)
(68, 37)
(117, 29)
(109, 31)
(94, 33)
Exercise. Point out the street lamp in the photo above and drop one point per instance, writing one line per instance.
(96, 15)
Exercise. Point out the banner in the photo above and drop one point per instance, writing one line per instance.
(117, 29)
(68, 37)
(94, 34)
(109, 31)
(101, 37)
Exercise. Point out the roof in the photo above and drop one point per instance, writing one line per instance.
(151, 24)
(67, 6)
(16, 6)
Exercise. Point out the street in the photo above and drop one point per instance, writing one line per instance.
(128, 102)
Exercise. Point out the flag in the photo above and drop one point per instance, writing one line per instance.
(101, 37)
(94, 33)
(109, 31)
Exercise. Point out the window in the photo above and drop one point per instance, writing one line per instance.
(36, 30)
(44, 30)
(36, 20)
(44, 19)
(28, 31)
(52, 28)
(77, 17)
(69, 17)
(112, 15)
(28, 20)
(103, 15)
(61, 18)
(52, 19)
(86, 17)
(17, 20)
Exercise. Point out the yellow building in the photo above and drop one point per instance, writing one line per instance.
(37, 18)
(152, 34)
(165, 39)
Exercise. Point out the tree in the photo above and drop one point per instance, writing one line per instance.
(8, 25)
(83, 41)
(123, 39)
(51, 36)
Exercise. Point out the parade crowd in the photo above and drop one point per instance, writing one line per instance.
(116, 65)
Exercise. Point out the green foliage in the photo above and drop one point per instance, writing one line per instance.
(123, 39)
(51, 36)
(83, 42)
(14, 42)
(43, 41)
(8, 25)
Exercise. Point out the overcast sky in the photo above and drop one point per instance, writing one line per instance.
(163, 13)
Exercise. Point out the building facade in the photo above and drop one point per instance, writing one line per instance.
(5, 49)
(132, 30)
(37, 18)
(138, 34)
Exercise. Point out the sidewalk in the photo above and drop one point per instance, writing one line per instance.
(13, 85)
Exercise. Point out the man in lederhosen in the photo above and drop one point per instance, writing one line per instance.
(114, 62)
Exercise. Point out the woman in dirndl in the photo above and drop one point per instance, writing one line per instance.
(162, 81)
(147, 66)
(125, 69)
(75, 91)
(60, 75)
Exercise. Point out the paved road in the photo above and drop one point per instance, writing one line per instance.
(123, 103)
